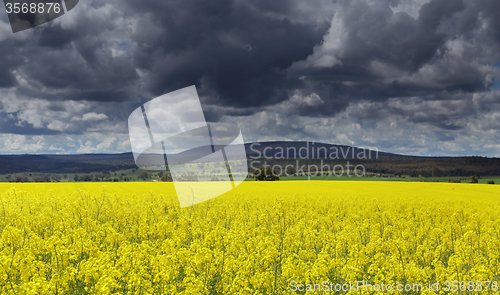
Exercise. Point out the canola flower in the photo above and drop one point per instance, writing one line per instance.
(133, 238)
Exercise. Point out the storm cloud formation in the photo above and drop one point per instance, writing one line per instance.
(414, 77)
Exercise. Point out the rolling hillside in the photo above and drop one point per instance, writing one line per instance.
(273, 153)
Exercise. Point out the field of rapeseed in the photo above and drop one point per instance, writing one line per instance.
(261, 238)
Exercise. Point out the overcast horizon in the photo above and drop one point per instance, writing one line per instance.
(408, 77)
(339, 152)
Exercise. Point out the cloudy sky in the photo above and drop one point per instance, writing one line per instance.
(406, 76)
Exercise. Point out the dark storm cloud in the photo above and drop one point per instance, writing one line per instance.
(411, 64)
(235, 52)
(9, 60)
(9, 125)
(230, 48)
(256, 53)
(374, 53)
(6, 78)
(88, 67)
(64, 60)
(55, 37)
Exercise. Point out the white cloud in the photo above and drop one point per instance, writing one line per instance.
(329, 53)
(13, 143)
(411, 7)
(94, 117)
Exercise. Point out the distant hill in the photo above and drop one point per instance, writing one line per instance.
(311, 150)
(85, 163)
(276, 152)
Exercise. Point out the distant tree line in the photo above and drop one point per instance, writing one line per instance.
(405, 166)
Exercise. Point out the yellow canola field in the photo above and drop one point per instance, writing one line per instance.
(260, 238)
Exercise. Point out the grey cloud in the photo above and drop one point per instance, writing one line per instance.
(238, 49)
(371, 53)
(289, 68)
(445, 114)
